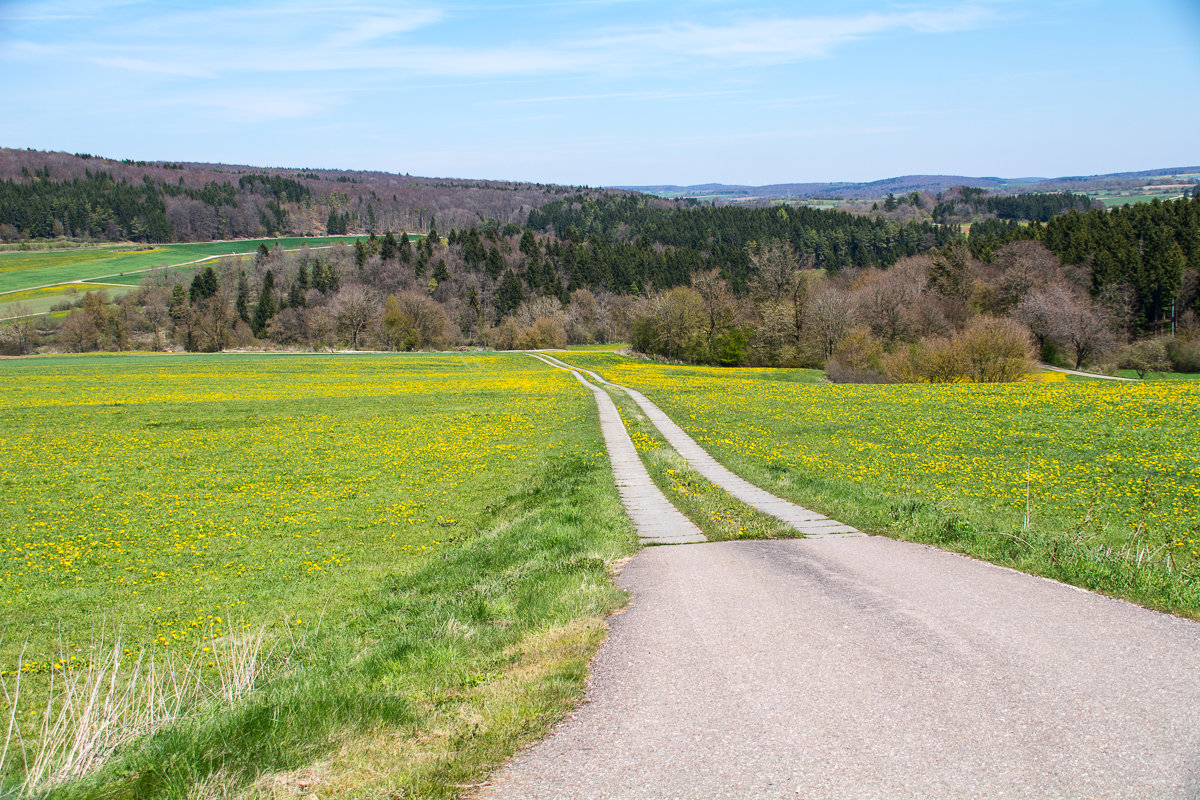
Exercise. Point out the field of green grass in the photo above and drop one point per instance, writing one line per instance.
(40, 301)
(387, 571)
(1114, 199)
(21, 270)
(1075, 480)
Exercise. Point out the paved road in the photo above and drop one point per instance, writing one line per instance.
(870, 668)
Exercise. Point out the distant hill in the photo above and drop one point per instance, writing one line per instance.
(1095, 185)
(50, 194)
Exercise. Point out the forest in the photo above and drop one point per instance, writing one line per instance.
(868, 296)
(47, 195)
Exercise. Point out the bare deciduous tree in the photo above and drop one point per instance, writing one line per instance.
(719, 304)
(828, 315)
(355, 308)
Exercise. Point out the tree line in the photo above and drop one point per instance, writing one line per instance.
(1141, 259)
(965, 203)
(1076, 290)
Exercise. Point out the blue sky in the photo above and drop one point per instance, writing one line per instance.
(607, 92)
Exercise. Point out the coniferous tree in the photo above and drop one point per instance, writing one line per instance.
(242, 303)
(204, 285)
(509, 294)
(266, 307)
(495, 263)
(390, 249)
(528, 246)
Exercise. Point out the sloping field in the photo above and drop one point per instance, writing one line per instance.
(398, 555)
(21, 270)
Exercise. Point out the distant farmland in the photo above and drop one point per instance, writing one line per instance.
(40, 278)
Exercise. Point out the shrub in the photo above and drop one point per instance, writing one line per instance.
(1183, 355)
(942, 360)
(996, 350)
(1148, 355)
(988, 350)
(858, 358)
(547, 332)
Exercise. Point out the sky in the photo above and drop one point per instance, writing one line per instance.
(612, 92)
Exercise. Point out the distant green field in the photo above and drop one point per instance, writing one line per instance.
(138, 278)
(1112, 200)
(22, 270)
(40, 301)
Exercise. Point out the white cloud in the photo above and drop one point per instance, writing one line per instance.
(315, 37)
(156, 67)
(252, 106)
(643, 95)
(759, 41)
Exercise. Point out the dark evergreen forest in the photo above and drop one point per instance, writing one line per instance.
(718, 236)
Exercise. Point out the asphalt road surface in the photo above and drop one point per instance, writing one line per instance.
(871, 668)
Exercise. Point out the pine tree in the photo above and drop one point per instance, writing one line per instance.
(529, 245)
(266, 307)
(510, 293)
(242, 304)
(390, 249)
(204, 285)
(495, 263)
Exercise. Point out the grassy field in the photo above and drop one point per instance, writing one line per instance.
(21, 270)
(410, 552)
(1071, 479)
(40, 301)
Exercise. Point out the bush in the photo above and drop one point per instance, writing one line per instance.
(988, 350)
(547, 332)
(858, 358)
(1148, 355)
(996, 350)
(729, 347)
(1184, 356)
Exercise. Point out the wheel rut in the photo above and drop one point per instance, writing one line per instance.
(656, 519)
(810, 523)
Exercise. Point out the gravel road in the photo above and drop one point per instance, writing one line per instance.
(871, 668)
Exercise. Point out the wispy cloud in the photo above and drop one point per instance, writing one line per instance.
(229, 40)
(156, 67)
(640, 95)
(378, 25)
(781, 40)
(254, 106)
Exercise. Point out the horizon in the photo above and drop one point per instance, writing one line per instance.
(301, 168)
(613, 92)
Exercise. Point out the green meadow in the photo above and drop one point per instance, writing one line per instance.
(20, 270)
(381, 572)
